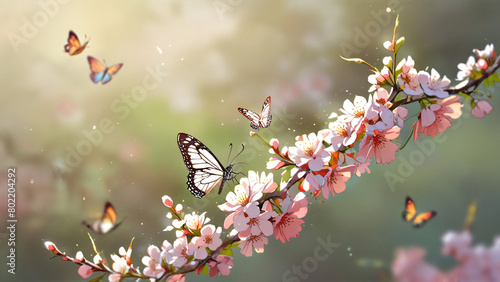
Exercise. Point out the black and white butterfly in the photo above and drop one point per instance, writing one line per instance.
(107, 223)
(264, 120)
(205, 170)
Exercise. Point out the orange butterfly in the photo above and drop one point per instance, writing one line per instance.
(98, 72)
(74, 47)
(107, 223)
(410, 214)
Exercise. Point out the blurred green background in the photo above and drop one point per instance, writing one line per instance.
(213, 57)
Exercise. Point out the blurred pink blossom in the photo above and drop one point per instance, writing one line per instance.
(85, 271)
(475, 263)
(482, 108)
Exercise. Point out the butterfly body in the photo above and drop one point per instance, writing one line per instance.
(205, 170)
(101, 73)
(74, 47)
(107, 223)
(410, 214)
(264, 120)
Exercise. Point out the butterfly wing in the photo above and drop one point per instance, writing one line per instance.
(74, 46)
(266, 116)
(264, 120)
(253, 117)
(205, 170)
(410, 211)
(422, 218)
(109, 72)
(107, 223)
(108, 219)
(97, 69)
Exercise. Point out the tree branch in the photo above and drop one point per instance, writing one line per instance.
(461, 87)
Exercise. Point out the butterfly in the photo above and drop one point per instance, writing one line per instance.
(107, 223)
(74, 47)
(264, 120)
(205, 170)
(100, 72)
(410, 214)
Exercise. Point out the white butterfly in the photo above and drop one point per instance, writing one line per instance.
(205, 170)
(264, 120)
(107, 223)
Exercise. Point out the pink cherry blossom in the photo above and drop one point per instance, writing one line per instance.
(381, 97)
(194, 221)
(329, 181)
(249, 190)
(209, 238)
(335, 180)
(153, 262)
(409, 265)
(378, 144)
(482, 108)
(263, 183)
(166, 251)
(126, 254)
(432, 84)
(408, 78)
(354, 112)
(222, 265)
(474, 263)
(179, 254)
(436, 117)
(342, 135)
(378, 111)
(252, 222)
(309, 150)
(119, 264)
(457, 244)
(384, 76)
(85, 271)
(256, 242)
(288, 224)
(274, 163)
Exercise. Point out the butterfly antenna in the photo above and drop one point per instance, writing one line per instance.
(230, 150)
(242, 148)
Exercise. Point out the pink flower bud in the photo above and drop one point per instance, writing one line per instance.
(85, 271)
(167, 201)
(482, 64)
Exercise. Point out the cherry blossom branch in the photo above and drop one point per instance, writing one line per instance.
(460, 88)
(190, 268)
